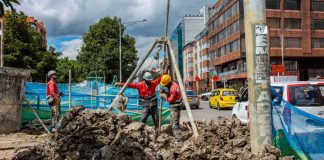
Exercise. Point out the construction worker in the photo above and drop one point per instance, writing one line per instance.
(173, 96)
(147, 96)
(53, 99)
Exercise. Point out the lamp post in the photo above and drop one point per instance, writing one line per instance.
(120, 36)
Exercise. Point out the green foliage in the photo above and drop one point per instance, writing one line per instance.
(7, 3)
(62, 68)
(100, 50)
(23, 47)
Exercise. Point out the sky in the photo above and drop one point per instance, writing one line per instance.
(67, 20)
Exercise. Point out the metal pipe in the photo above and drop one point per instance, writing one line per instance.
(282, 49)
(120, 55)
(258, 61)
(183, 92)
(131, 77)
(35, 113)
(70, 90)
(2, 32)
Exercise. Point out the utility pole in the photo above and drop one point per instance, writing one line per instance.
(120, 55)
(258, 73)
(2, 32)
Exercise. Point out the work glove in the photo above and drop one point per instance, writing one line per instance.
(118, 84)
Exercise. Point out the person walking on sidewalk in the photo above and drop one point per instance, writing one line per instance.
(147, 96)
(173, 96)
(53, 99)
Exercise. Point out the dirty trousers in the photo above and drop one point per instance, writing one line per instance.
(175, 117)
(56, 112)
(147, 110)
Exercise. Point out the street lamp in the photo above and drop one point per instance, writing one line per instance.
(120, 36)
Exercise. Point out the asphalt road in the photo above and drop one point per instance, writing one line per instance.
(204, 113)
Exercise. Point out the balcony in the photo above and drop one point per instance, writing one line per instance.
(233, 74)
(190, 59)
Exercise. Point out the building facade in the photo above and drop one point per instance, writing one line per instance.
(39, 26)
(296, 39)
(185, 33)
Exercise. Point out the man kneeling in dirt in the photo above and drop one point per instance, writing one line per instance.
(173, 96)
(147, 97)
(53, 99)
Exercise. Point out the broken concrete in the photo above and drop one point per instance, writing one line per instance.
(87, 134)
(12, 88)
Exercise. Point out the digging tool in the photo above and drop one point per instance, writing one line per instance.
(182, 89)
(35, 113)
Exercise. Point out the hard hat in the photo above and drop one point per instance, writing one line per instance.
(50, 73)
(147, 76)
(165, 80)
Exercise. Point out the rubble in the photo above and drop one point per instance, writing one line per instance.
(88, 134)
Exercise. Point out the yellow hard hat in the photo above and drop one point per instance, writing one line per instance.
(165, 80)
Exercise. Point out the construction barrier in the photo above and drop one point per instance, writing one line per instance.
(90, 94)
(297, 132)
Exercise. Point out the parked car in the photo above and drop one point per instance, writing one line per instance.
(193, 99)
(223, 98)
(205, 96)
(306, 95)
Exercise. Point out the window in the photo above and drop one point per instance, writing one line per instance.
(293, 42)
(292, 4)
(317, 5)
(273, 4)
(275, 42)
(273, 22)
(318, 24)
(292, 23)
(317, 42)
(291, 65)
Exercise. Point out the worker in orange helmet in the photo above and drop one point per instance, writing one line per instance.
(173, 96)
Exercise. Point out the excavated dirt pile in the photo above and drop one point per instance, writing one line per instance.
(87, 134)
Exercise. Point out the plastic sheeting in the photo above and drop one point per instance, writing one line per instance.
(90, 94)
(303, 131)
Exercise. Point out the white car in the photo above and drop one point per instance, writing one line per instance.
(205, 96)
(306, 95)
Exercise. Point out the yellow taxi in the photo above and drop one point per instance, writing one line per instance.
(223, 98)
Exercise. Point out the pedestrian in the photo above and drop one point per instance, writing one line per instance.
(53, 99)
(173, 96)
(147, 96)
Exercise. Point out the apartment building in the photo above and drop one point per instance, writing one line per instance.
(296, 39)
(185, 33)
(39, 26)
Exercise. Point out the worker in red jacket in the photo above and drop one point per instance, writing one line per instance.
(173, 96)
(53, 99)
(147, 97)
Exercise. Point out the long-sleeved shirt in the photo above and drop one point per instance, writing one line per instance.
(174, 94)
(52, 89)
(146, 91)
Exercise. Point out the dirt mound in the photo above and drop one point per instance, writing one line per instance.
(87, 134)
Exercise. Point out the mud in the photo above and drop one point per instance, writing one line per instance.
(87, 134)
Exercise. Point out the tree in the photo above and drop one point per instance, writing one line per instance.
(62, 68)
(100, 50)
(23, 47)
(7, 3)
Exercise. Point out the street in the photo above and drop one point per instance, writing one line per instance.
(204, 113)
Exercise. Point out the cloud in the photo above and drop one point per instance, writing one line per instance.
(63, 18)
(71, 48)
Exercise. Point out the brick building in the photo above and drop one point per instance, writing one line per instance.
(299, 22)
(39, 26)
